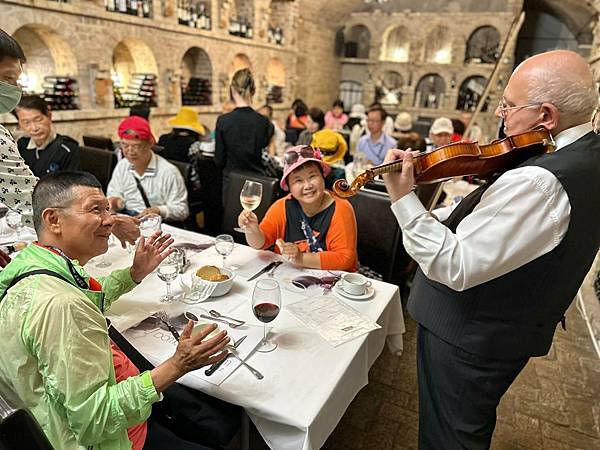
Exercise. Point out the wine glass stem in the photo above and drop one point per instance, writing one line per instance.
(18, 234)
(264, 333)
(168, 289)
(224, 259)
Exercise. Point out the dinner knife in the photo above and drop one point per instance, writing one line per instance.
(213, 368)
(263, 270)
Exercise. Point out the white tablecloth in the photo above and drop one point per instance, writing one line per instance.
(308, 384)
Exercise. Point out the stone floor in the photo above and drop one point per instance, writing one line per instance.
(554, 403)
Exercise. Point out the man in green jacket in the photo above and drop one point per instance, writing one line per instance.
(56, 353)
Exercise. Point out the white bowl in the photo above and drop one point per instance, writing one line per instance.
(222, 287)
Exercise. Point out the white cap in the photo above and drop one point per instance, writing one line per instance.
(442, 125)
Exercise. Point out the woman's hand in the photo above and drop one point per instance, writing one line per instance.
(149, 254)
(248, 221)
(289, 250)
(196, 351)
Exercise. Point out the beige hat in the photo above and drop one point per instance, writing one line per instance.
(403, 121)
(441, 125)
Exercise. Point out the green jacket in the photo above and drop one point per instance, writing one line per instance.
(56, 355)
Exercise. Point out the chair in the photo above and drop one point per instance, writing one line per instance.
(98, 142)
(194, 196)
(18, 427)
(378, 232)
(233, 207)
(99, 163)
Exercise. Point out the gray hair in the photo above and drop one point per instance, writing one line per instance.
(56, 189)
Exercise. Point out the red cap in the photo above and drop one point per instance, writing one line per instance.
(136, 127)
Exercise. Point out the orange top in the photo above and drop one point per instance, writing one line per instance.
(340, 239)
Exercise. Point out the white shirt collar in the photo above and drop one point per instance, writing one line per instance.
(150, 170)
(572, 134)
(31, 144)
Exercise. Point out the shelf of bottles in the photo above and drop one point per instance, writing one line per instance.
(195, 14)
(60, 93)
(275, 36)
(141, 90)
(274, 94)
(241, 26)
(198, 91)
(139, 8)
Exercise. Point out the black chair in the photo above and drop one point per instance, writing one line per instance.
(427, 194)
(378, 232)
(211, 194)
(99, 142)
(18, 427)
(233, 207)
(99, 163)
(194, 196)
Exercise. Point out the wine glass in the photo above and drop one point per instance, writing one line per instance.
(167, 271)
(250, 198)
(15, 222)
(149, 224)
(224, 246)
(104, 262)
(266, 303)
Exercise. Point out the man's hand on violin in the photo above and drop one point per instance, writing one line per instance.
(400, 183)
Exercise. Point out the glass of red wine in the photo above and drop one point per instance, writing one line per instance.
(266, 303)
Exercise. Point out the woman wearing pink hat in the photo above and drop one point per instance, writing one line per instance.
(310, 226)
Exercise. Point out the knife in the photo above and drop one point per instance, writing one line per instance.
(263, 270)
(213, 368)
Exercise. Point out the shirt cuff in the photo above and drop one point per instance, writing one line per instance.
(164, 211)
(407, 209)
(148, 388)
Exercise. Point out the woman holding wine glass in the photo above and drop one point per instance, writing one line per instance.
(311, 226)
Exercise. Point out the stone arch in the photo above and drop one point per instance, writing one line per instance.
(389, 89)
(275, 80)
(134, 73)
(239, 62)
(430, 91)
(470, 92)
(483, 45)
(438, 48)
(48, 54)
(396, 45)
(196, 77)
(358, 42)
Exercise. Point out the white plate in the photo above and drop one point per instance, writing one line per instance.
(367, 295)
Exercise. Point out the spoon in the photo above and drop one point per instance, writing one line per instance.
(218, 315)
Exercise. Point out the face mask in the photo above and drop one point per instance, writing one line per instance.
(9, 97)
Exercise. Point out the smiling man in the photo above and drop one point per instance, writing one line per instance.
(497, 275)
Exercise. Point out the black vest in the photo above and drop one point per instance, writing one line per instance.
(515, 315)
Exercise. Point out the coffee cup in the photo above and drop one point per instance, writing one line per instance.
(354, 284)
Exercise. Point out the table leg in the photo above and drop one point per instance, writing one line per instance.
(245, 431)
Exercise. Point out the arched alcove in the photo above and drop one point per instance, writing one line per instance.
(239, 62)
(275, 81)
(389, 89)
(351, 92)
(358, 42)
(396, 45)
(483, 46)
(438, 48)
(196, 77)
(470, 92)
(51, 68)
(134, 74)
(430, 92)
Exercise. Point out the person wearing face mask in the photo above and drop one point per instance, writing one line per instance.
(16, 179)
(310, 226)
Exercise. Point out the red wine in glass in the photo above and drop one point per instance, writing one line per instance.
(266, 312)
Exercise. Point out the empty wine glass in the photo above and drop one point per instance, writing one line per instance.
(266, 303)
(104, 262)
(15, 222)
(250, 198)
(224, 246)
(149, 224)
(167, 271)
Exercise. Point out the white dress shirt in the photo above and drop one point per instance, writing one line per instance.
(162, 182)
(522, 216)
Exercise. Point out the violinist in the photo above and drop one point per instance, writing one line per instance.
(497, 275)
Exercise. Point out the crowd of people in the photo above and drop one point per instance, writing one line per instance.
(490, 288)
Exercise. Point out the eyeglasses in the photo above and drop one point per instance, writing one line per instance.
(127, 146)
(503, 107)
(291, 156)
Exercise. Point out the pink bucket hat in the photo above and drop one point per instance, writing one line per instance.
(294, 157)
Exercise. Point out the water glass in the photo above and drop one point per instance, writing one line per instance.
(167, 271)
(150, 224)
(266, 304)
(15, 222)
(224, 245)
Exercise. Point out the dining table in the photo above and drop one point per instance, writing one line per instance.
(308, 383)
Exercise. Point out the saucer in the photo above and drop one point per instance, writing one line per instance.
(367, 295)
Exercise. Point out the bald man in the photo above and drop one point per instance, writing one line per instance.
(497, 275)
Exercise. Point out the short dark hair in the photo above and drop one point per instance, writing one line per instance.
(10, 48)
(32, 102)
(339, 103)
(382, 112)
(140, 111)
(300, 108)
(268, 108)
(317, 115)
(56, 189)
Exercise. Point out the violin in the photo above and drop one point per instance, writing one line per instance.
(461, 159)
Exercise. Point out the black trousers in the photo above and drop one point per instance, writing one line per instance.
(458, 394)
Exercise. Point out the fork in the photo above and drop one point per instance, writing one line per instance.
(233, 352)
(213, 368)
(164, 318)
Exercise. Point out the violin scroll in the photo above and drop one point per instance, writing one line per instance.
(345, 190)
